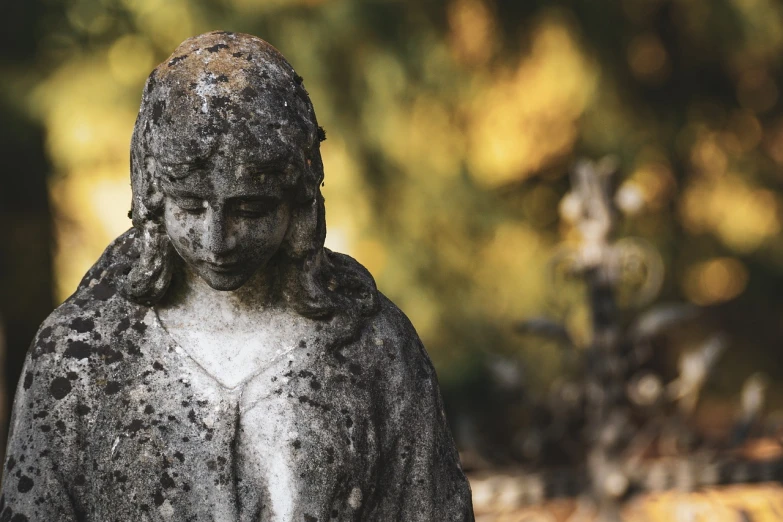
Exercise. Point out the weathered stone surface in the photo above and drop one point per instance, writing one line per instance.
(217, 363)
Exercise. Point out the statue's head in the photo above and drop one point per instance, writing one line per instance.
(226, 171)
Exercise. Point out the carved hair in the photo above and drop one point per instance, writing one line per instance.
(220, 81)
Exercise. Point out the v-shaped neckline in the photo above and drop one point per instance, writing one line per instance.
(179, 349)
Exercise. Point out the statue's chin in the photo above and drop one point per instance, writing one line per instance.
(224, 282)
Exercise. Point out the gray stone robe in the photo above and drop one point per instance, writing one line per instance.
(115, 422)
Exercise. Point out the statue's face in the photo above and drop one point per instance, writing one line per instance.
(227, 216)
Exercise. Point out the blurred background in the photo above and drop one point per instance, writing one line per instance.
(452, 126)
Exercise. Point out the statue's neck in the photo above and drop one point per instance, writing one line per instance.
(192, 294)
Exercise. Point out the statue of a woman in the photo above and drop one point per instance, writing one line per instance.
(218, 363)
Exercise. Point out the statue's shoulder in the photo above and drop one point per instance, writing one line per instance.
(391, 339)
(95, 308)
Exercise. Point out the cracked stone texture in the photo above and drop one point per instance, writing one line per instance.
(115, 421)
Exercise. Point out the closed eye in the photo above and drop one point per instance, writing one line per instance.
(191, 205)
(255, 208)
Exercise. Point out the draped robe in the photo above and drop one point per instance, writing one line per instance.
(113, 421)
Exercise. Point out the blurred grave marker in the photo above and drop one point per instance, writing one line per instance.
(629, 430)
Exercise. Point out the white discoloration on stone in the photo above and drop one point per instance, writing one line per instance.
(355, 498)
(248, 342)
(204, 90)
(166, 510)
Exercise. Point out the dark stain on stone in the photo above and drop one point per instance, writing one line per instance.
(25, 484)
(82, 410)
(139, 327)
(123, 325)
(28, 380)
(135, 425)
(150, 86)
(159, 498)
(310, 518)
(215, 48)
(220, 102)
(77, 350)
(179, 456)
(72, 376)
(112, 387)
(109, 356)
(82, 324)
(248, 94)
(174, 61)
(133, 349)
(354, 368)
(157, 110)
(315, 384)
(297, 444)
(166, 481)
(103, 291)
(149, 409)
(44, 347)
(59, 388)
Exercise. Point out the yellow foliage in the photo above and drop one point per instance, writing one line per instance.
(524, 117)
(91, 206)
(655, 182)
(258, 7)
(347, 206)
(517, 252)
(708, 156)
(472, 31)
(82, 110)
(742, 216)
(168, 22)
(131, 58)
(715, 281)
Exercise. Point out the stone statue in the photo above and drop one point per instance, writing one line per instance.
(218, 363)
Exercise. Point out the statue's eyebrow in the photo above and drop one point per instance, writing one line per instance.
(257, 198)
(262, 165)
(180, 193)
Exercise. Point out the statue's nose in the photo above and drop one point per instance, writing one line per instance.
(218, 240)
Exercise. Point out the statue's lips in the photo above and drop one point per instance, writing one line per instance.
(222, 268)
